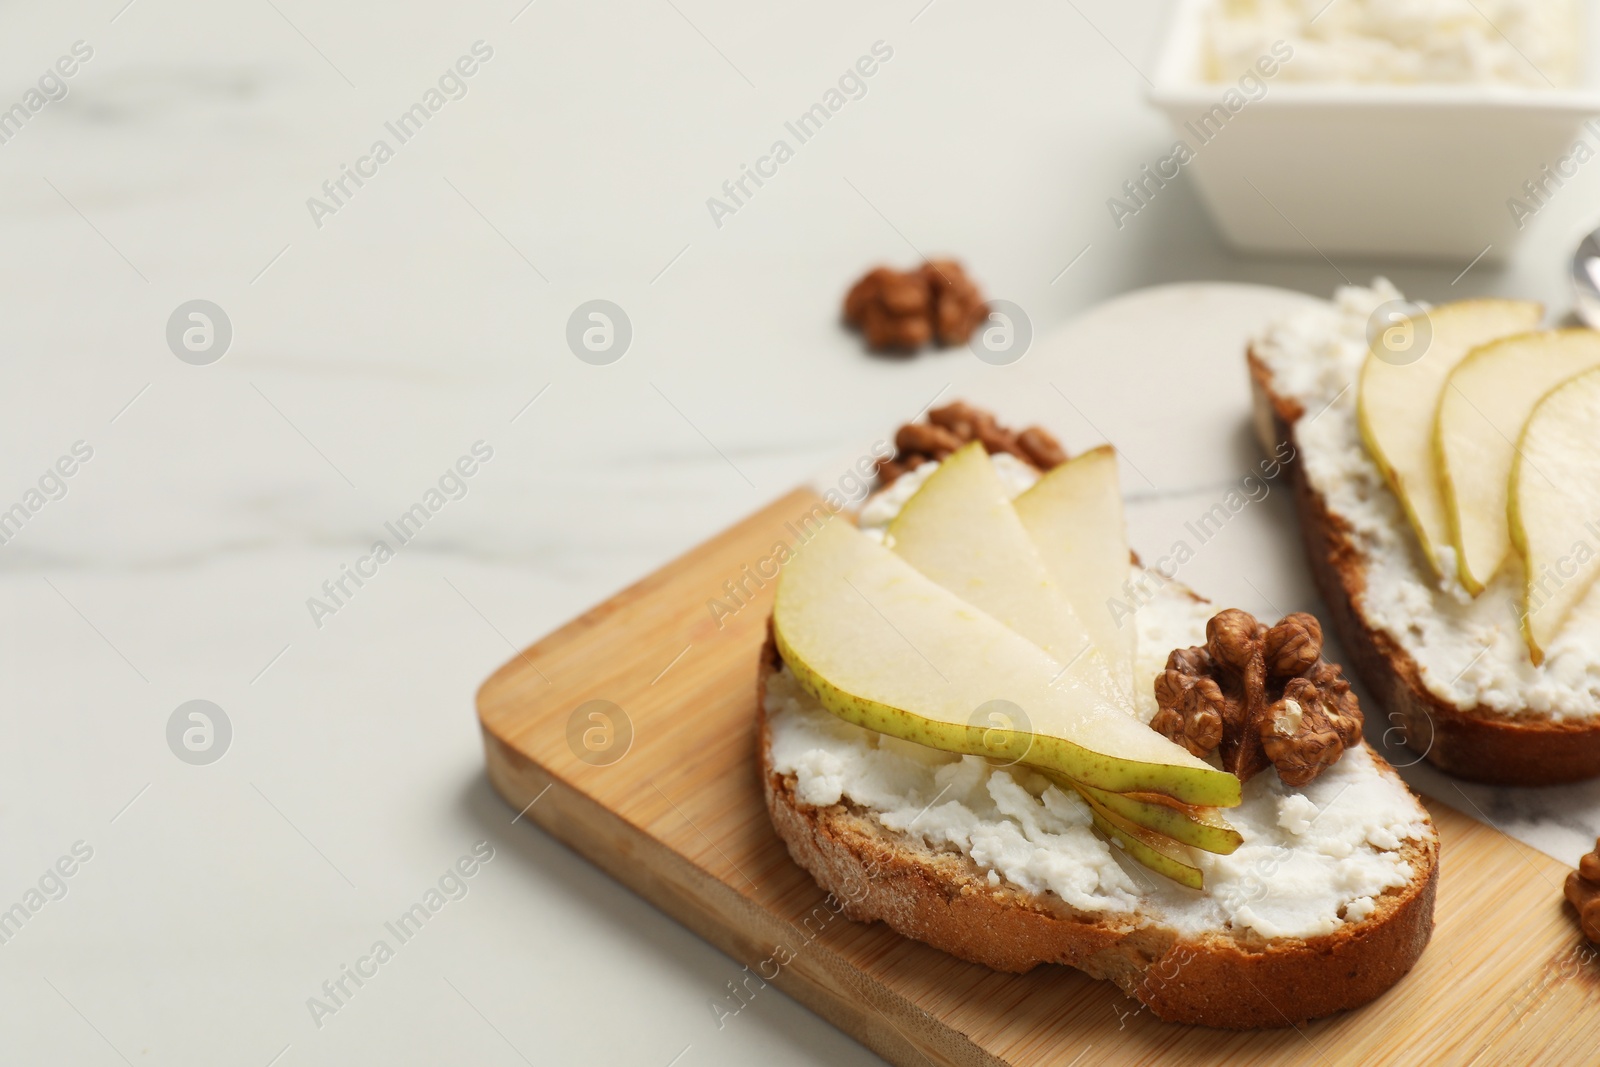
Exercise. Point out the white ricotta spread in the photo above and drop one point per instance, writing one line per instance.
(1312, 858)
(1470, 651)
(1530, 43)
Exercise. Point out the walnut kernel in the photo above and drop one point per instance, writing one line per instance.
(1277, 700)
(1583, 891)
(955, 424)
(900, 311)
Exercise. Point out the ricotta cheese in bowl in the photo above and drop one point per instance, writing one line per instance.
(1530, 43)
(1312, 859)
(1371, 127)
(1470, 650)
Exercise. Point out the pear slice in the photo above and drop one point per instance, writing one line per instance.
(960, 529)
(1555, 506)
(1396, 403)
(1202, 828)
(883, 646)
(1159, 854)
(1485, 404)
(1074, 516)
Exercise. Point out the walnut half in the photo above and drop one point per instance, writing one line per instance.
(900, 311)
(1260, 696)
(955, 424)
(1583, 890)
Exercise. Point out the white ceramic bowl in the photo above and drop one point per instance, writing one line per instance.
(1420, 172)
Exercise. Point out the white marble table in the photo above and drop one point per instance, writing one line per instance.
(368, 353)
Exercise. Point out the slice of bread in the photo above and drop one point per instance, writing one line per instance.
(1234, 979)
(1479, 743)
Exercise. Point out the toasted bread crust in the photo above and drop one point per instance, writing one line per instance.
(1220, 980)
(1478, 743)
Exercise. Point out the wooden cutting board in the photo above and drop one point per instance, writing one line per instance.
(669, 802)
